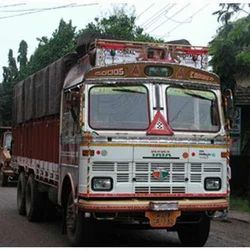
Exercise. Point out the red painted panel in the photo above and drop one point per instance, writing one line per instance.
(38, 139)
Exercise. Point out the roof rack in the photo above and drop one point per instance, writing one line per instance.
(118, 51)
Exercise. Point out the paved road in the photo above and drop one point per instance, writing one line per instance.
(16, 231)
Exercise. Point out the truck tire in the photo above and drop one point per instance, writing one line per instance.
(21, 184)
(79, 231)
(195, 234)
(4, 180)
(34, 200)
(50, 210)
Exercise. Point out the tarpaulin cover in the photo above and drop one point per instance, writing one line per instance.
(18, 103)
(39, 94)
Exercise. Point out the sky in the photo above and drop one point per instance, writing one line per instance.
(167, 19)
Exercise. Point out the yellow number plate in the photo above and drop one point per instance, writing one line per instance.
(162, 219)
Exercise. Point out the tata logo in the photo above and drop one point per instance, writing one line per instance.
(160, 154)
(160, 174)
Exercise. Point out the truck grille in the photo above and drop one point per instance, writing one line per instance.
(197, 170)
(171, 183)
(142, 176)
(176, 172)
(122, 170)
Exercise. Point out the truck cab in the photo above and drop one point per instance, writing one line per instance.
(5, 156)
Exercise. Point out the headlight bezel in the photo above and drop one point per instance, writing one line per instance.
(99, 178)
(212, 179)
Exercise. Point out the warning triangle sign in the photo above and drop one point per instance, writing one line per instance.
(159, 126)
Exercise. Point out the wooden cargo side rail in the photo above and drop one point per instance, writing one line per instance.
(37, 139)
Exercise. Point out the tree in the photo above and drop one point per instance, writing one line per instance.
(9, 79)
(22, 60)
(49, 50)
(228, 10)
(230, 51)
(1, 105)
(120, 24)
(10, 72)
(22, 57)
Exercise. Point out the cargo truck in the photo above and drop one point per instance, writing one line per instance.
(6, 171)
(126, 132)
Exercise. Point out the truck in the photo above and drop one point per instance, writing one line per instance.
(133, 133)
(5, 155)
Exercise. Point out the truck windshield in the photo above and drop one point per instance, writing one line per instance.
(192, 110)
(7, 140)
(119, 107)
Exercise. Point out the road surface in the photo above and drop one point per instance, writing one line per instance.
(16, 231)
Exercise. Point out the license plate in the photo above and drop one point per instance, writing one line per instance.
(163, 206)
(162, 219)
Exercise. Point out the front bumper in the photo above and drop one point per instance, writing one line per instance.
(8, 172)
(136, 205)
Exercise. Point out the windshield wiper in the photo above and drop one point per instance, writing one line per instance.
(198, 96)
(190, 93)
(128, 91)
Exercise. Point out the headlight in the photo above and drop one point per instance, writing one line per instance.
(102, 184)
(212, 184)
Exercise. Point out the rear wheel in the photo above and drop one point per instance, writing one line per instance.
(195, 234)
(78, 230)
(34, 200)
(21, 184)
(50, 210)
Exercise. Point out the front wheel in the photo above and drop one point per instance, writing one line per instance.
(77, 228)
(195, 234)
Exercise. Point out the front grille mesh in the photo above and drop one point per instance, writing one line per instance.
(160, 177)
(157, 177)
(197, 170)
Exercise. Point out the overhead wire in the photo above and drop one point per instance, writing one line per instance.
(153, 16)
(157, 17)
(176, 21)
(144, 11)
(176, 13)
(195, 13)
(12, 5)
(33, 11)
(38, 9)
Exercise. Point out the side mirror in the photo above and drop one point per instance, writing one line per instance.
(229, 105)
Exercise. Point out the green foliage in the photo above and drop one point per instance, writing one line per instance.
(22, 56)
(240, 204)
(6, 104)
(10, 72)
(243, 59)
(23, 60)
(49, 50)
(230, 51)
(227, 11)
(9, 78)
(120, 25)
